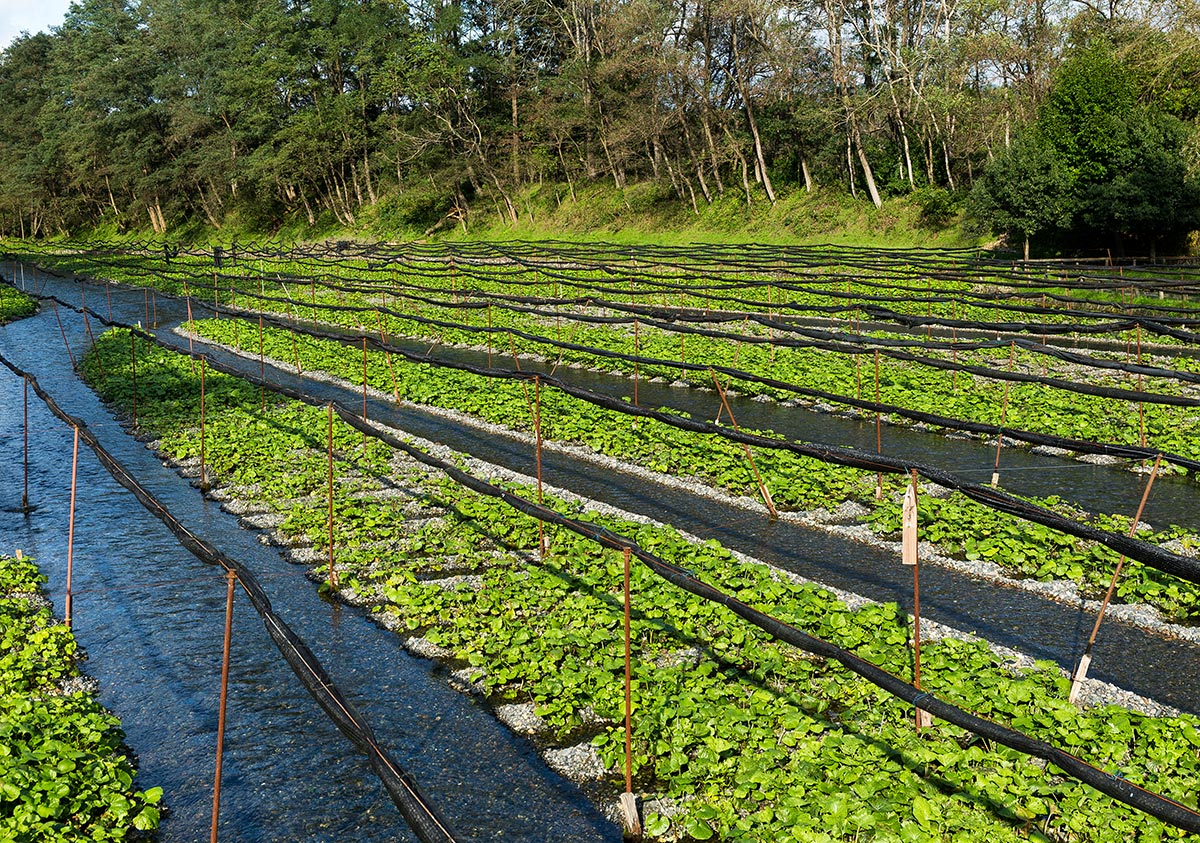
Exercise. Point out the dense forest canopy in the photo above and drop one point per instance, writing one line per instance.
(1065, 120)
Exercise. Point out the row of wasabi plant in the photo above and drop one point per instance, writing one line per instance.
(64, 773)
(961, 527)
(736, 736)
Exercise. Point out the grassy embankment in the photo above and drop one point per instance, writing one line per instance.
(642, 213)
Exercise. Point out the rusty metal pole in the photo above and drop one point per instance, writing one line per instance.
(25, 494)
(628, 800)
(637, 352)
(191, 329)
(878, 432)
(133, 373)
(1000, 435)
(537, 431)
(71, 527)
(762, 486)
(333, 577)
(364, 385)
(63, 331)
(203, 477)
(1086, 660)
(230, 579)
(1141, 404)
(262, 370)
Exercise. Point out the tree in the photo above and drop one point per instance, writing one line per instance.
(1026, 192)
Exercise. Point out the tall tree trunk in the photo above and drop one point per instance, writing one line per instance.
(868, 176)
(759, 157)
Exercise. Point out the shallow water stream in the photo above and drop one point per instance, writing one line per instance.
(150, 616)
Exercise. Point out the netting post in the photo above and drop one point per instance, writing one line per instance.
(63, 332)
(909, 556)
(878, 432)
(191, 327)
(1000, 435)
(108, 296)
(71, 527)
(387, 355)
(512, 344)
(537, 432)
(489, 335)
(1141, 404)
(133, 373)
(954, 356)
(333, 577)
(364, 388)
(25, 435)
(637, 352)
(153, 308)
(633, 825)
(216, 297)
(1085, 661)
(203, 476)
(262, 369)
(762, 486)
(230, 579)
(146, 297)
(295, 345)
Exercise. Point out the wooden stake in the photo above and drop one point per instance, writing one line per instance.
(762, 487)
(71, 527)
(1086, 660)
(230, 578)
(633, 825)
(909, 557)
(108, 296)
(333, 577)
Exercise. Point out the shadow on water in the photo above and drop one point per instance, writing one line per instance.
(150, 617)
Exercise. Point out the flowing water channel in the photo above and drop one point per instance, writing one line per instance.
(439, 734)
(150, 617)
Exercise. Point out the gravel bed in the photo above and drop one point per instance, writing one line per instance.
(521, 718)
(579, 763)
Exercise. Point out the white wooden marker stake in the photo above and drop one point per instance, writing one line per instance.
(908, 555)
(908, 551)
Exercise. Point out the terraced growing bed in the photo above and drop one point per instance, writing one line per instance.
(736, 735)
